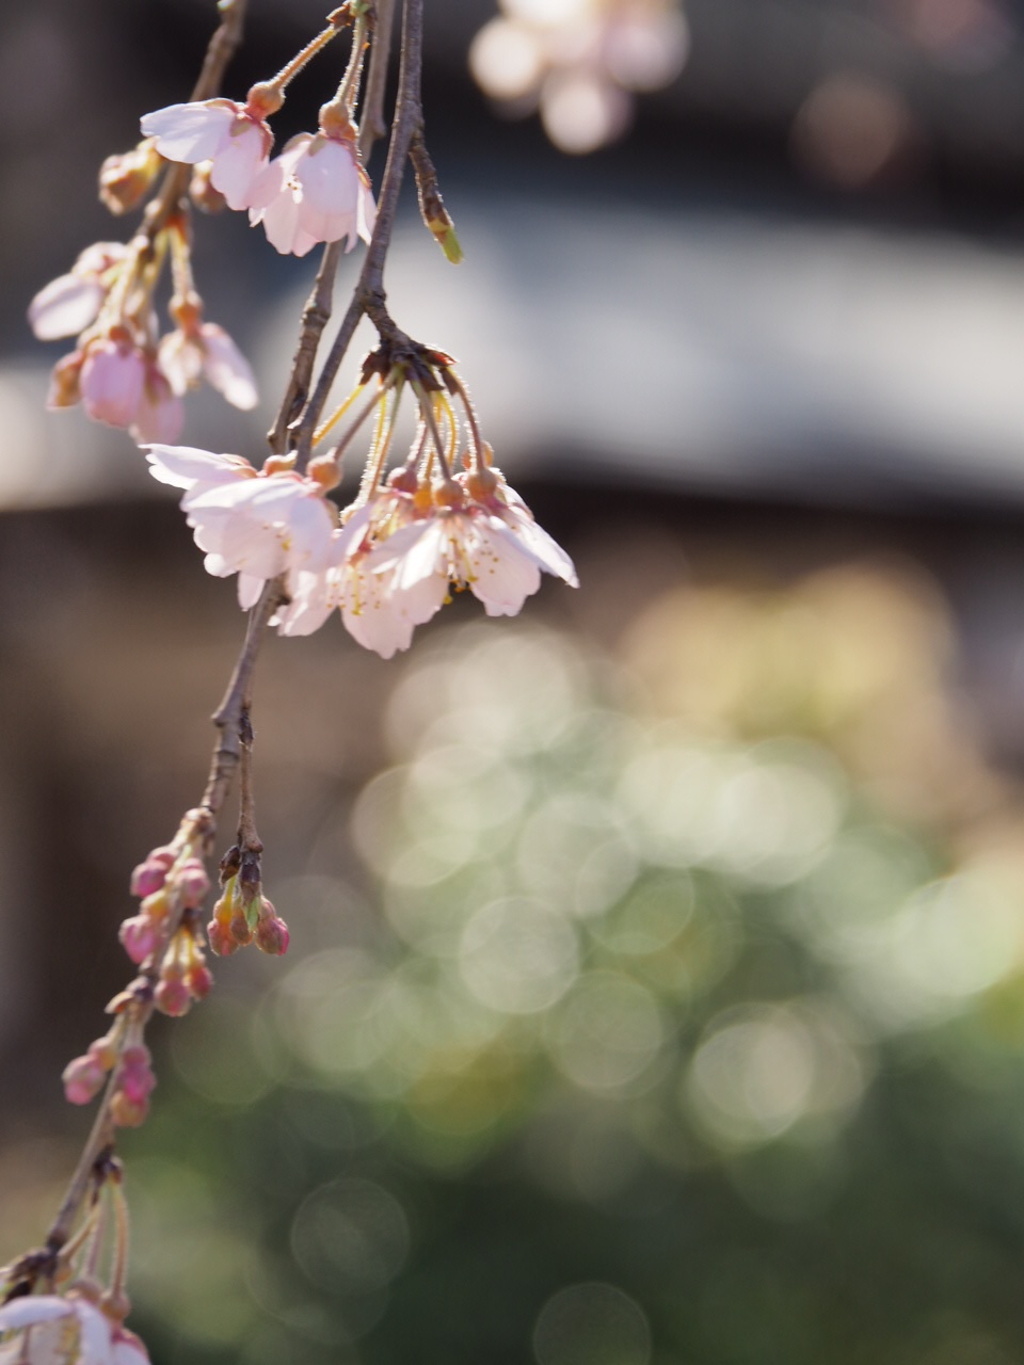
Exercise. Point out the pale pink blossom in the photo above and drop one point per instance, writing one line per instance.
(48, 1329)
(494, 547)
(71, 302)
(206, 351)
(315, 191)
(234, 138)
(112, 381)
(254, 524)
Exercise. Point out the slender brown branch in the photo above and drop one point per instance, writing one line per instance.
(317, 312)
(228, 716)
(369, 297)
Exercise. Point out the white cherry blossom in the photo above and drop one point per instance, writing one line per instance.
(207, 351)
(257, 525)
(46, 1329)
(233, 137)
(315, 191)
(71, 302)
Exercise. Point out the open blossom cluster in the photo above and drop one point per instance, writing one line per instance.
(577, 61)
(122, 371)
(54, 1329)
(315, 191)
(387, 565)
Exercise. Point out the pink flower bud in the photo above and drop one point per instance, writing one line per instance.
(220, 939)
(193, 882)
(199, 980)
(82, 1080)
(165, 856)
(137, 1055)
(137, 1083)
(272, 934)
(147, 878)
(112, 382)
(139, 936)
(172, 997)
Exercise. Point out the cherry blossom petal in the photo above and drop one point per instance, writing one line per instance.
(227, 369)
(504, 573)
(65, 307)
(185, 466)
(238, 163)
(160, 415)
(191, 132)
(25, 1312)
(382, 619)
(249, 589)
(545, 550)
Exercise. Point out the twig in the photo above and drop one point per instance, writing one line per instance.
(317, 312)
(369, 297)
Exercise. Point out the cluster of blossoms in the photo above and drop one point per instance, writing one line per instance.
(390, 559)
(83, 1327)
(122, 371)
(578, 60)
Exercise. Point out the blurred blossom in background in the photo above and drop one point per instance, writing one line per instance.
(656, 987)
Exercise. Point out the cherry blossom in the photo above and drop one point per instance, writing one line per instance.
(122, 385)
(258, 525)
(71, 302)
(391, 565)
(233, 137)
(47, 1329)
(315, 191)
(205, 350)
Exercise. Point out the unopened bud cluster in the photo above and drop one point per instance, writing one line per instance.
(243, 915)
(85, 1076)
(172, 884)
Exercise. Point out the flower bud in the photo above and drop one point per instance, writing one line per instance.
(126, 177)
(65, 381)
(172, 997)
(202, 192)
(220, 938)
(139, 936)
(239, 929)
(193, 882)
(103, 1053)
(128, 1113)
(199, 980)
(147, 878)
(82, 1078)
(272, 934)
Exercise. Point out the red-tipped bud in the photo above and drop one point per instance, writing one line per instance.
(139, 936)
(199, 980)
(82, 1079)
(272, 934)
(172, 997)
(219, 935)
